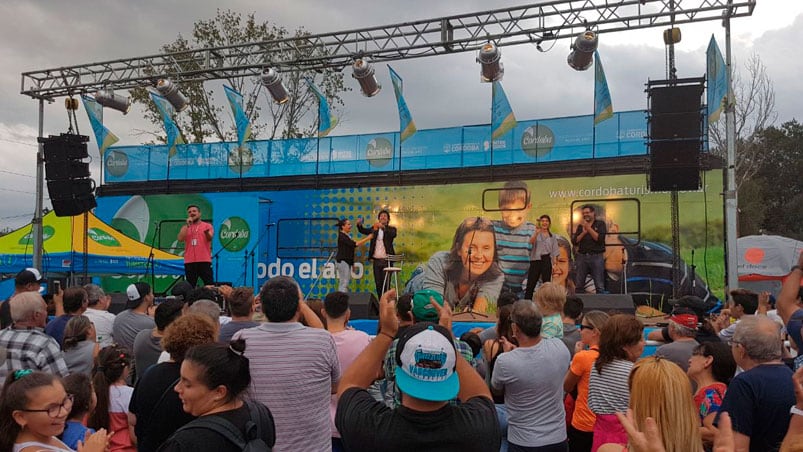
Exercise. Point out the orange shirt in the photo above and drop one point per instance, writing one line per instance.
(583, 418)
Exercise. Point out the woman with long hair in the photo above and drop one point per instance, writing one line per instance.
(563, 267)
(111, 413)
(621, 343)
(214, 378)
(542, 256)
(711, 366)
(586, 351)
(79, 346)
(33, 409)
(345, 252)
(659, 391)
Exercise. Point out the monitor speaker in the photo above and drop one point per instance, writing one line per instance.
(364, 305)
(610, 303)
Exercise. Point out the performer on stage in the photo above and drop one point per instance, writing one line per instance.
(197, 238)
(381, 245)
(589, 238)
(345, 253)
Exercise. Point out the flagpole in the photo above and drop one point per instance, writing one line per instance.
(493, 111)
(594, 118)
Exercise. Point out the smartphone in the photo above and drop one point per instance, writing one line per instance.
(56, 286)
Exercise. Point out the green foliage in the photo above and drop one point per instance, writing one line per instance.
(208, 117)
(693, 235)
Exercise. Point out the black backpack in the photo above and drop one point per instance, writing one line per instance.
(253, 442)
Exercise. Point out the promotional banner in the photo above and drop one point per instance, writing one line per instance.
(167, 111)
(240, 118)
(406, 123)
(717, 75)
(502, 118)
(103, 136)
(326, 120)
(603, 107)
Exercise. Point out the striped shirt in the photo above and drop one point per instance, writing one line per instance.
(31, 349)
(513, 251)
(608, 392)
(293, 368)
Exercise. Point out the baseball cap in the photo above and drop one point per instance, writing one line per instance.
(28, 276)
(135, 292)
(423, 311)
(684, 317)
(426, 363)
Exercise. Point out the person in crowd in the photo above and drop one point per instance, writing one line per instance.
(197, 237)
(33, 409)
(589, 238)
(382, 235)
(530, 375)
(25, 342)
(294, 368)
(79, 385)
(80, 345)
(214, 379)
(491, 350)
(506, 298)
(550, 299)
(513, 234)
(75, 302)
(683, 331)
(468, 275)
(241, 305)
(28, 280)
(404, 311)
(659, 390)
(113, 396)
(208, 308)
(98, 313)
(743, 303)
(794, 435)
(135, 318)
(711, 367)
(147, 344)
(563, 267)
(581, 426)
(316, 306)
(430, 373)
(349, 343)
(572, 314)
(789, 308)
(700, 308)
(759, 398)
(542, 255)
(346, 247)
(154, 404)
(621, 343)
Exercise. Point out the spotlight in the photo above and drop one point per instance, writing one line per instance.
(107, 98)
(582, 55)
(364, 73)
(489, 57)
(169, 91)
(270, 79)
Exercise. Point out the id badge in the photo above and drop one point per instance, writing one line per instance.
(194, 242)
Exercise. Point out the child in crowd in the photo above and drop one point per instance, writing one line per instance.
(113, 396)
(513, 234)
(84, 401)
(550, 299)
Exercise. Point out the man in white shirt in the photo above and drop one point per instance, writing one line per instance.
(98, 313)
(381, 245)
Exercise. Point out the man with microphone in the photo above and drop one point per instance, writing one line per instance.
(197, 238)
(381, 245)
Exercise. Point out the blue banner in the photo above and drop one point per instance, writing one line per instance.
(240, 118)
(167, 111)
(717, 75)
(406, 124)
(603, 107)
(326, 120)
(103, 136)
(502, 118)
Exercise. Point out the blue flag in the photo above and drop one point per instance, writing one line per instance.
(502, 118)
(406, 123)
(167, 112)
(103, 136)
(326, 120)
(603, 107)
(240, 118)
(717, 75)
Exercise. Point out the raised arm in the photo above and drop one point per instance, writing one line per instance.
(787, 299)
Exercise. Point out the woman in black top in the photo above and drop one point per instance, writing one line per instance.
(345, 253)
(214, 378)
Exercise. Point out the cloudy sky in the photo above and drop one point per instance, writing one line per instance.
(440, 91)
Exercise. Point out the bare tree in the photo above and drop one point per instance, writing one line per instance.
(755, 111)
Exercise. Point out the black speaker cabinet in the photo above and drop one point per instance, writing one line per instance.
(364, 305)
(610, 303)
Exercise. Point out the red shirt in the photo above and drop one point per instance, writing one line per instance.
(197, 248)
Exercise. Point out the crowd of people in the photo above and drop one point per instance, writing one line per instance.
(274, 371)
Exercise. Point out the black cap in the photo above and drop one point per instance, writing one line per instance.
(28, 276)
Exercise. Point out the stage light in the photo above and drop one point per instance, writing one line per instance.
(582, 55)
(490, 59)
(169, 91)
(364, 73)
(108, 98)
(270, 79)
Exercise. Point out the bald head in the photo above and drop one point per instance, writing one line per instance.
(25, 305)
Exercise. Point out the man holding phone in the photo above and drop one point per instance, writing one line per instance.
(27, 280)
(197, 238)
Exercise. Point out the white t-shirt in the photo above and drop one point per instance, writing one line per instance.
(103, 321)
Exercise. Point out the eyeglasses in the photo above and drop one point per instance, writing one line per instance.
(585, 327)
(54, 410)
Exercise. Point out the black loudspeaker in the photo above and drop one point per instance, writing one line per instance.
(620, 303)
(69, 184)
(675, 137)
(364, 305)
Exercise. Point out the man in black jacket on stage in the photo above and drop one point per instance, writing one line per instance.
(381, 245)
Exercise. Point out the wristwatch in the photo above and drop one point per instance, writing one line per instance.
(795, 410)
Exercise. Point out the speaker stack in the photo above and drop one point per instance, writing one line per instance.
(676, 124)
(69, 184)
